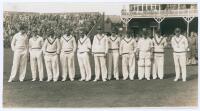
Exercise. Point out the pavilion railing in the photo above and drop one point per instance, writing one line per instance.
(161, 13)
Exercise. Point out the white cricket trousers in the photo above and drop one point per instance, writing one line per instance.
(128, 66)
(52, 66)
(19, 61)
(36, 63)
(158, 65)
(180, 62)
(144, 65)
(100, 66)
(113, 64)
(84, 65)
(67, 64)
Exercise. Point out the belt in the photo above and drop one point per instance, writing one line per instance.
(35, 48)
(51, 51)
(20, 48)
(124, 53)
(99, 52)
(68, 51)
(82, 52)
(180, 52)
(114, 49)
(159, 52)
(144, 51)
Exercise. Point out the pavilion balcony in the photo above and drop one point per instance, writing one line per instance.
(160, 13)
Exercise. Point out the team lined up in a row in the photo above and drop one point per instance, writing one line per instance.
(103, 49)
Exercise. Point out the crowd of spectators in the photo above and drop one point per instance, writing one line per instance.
(43, 22)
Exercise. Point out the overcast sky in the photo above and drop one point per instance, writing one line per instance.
(108, 8)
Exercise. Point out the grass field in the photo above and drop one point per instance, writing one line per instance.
(154, 93)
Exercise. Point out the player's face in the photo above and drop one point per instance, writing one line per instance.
(82, 35)
(23, 31)
(34, 34)
(99, 32)
(68, 33)
(113, 35)
(63, 32)
(158, 34)
(54, 37)
(51, 35)
(192, 34)
(145, 36)
(177, 33)
(124, 35)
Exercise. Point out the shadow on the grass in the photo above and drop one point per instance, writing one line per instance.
(192, 77)
(171, 75)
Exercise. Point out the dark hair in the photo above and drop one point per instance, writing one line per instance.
(22, 27)
(84, 31)
(69, 31)
(177, 30)
(51, 32)
(99, 28)
(108, 34)
(158, 31)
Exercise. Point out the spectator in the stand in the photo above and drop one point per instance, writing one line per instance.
(192, 42)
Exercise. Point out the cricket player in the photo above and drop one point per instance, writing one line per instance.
(99, 50)
(36, 60)
(159, 43)
(113, 55)
(180, 45)
(19, 46)
(145, 53)
(51, 50)
(127, 51)
(84, 48)
(68, 49)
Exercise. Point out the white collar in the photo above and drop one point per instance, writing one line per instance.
(156, 36)
(52, 38)
(146, 38)
(35, 37)
(82, 40)
(67, 37)
(22, 35)
(180, 36)
(127, 38)
(100, 37)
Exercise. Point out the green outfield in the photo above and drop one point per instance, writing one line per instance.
(153, 93)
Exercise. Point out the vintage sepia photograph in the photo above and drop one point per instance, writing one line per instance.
(100, 54)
